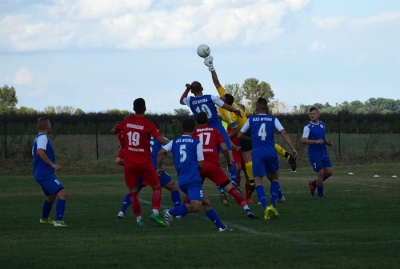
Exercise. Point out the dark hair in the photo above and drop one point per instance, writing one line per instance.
(188, 125)
(313, 108)
(196, 87)
(42, 123)
(202, 118)
(229, 99)
(139, 105)
(262, 104)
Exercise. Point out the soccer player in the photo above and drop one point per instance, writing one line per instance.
(206, 103)
(314, 137)
(210, 139)
(138, 131)
(44, 167)
(237, 123)
(265, 158)
(188, 157)
(165, 179)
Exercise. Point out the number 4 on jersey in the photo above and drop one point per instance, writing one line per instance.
(262, 132)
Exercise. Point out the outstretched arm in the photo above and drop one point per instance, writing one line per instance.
(215, 79)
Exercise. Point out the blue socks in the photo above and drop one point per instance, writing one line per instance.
(261, 196)
(180, 210)
(279, 192)
(126, 203)
(60, 208)
(212, 215)
(176, 198)
(46, 209)
(320, 190)
(232, 172)
(274, 190)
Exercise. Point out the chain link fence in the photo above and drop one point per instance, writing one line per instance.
(356, 138)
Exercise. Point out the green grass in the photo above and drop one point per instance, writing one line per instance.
(355, 226)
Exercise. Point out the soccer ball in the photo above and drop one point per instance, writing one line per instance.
(203, 51)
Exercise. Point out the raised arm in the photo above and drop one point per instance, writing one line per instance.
(215, 80)
(185, 94)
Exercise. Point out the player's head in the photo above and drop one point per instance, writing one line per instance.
(314, 113)
(262, 106)
(202, 118)
(196, 87)
(139, 106)
(44, 125)
(188, 125)
(242, 107)
(229, 99)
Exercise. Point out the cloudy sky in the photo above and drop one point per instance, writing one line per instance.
(102, 54)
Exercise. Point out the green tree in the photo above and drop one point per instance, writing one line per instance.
(49, 110)
(181, 112)
(8, 99)
(236, 91)
(26, 110)
(253, 89)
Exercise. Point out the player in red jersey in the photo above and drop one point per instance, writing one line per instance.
(210, 139)
(137, 131)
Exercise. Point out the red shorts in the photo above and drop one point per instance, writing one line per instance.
(237, 156)
(146, 171)
(214, 172)
(121, 153)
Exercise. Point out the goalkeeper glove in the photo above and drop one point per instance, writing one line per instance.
(208, 61)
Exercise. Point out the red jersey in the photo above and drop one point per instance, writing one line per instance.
(137, 132)
(210, 138)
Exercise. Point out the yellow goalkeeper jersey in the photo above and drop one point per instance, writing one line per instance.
(230, 117)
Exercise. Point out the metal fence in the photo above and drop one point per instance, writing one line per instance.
(88, 136)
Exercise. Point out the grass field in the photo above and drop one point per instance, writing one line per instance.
(355, 226)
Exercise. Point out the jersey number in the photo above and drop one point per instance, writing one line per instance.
(262, 132)
(201, 138)
(206, 109)
(133, 138)
(182, 152)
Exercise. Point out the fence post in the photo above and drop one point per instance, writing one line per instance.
(5, 136)
(339, 131)
(97, 137)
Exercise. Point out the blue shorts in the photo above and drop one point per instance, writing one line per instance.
(193, 190)
(265, 164)
(224, 134)
(50, 185)
(165, 178)
(320, 163)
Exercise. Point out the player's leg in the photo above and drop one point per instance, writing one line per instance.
(132, 182)
(281, 198)
(246, 147)
(127, 200)
(317, 184)
(221, 129)
(167, 183)
(47, 206)
(212, 215)
(55, 187)
(292, 161)
(207, 172)
(274, 192)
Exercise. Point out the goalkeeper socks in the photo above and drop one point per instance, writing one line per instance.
(249, 170)
(126, 203)
(60, 208)
(282, 152)
(176, 198)
(274, 190)
(156, 198)
(46, 209)
(212, 215)
(261, 196)
(135, 204)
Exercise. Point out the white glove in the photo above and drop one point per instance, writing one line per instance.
(208, 61)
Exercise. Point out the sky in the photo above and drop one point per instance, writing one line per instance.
(100, 54)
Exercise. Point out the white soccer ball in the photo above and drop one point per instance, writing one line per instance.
(203, 51)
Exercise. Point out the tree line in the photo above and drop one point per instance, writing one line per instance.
(246, 94)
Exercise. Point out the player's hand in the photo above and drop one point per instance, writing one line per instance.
(209, 61)
(320, 141)
(160, 171)
(188, 86)
(294, 153)
(230, 165)
(329, 143)
(238, 113)
(56, 166)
